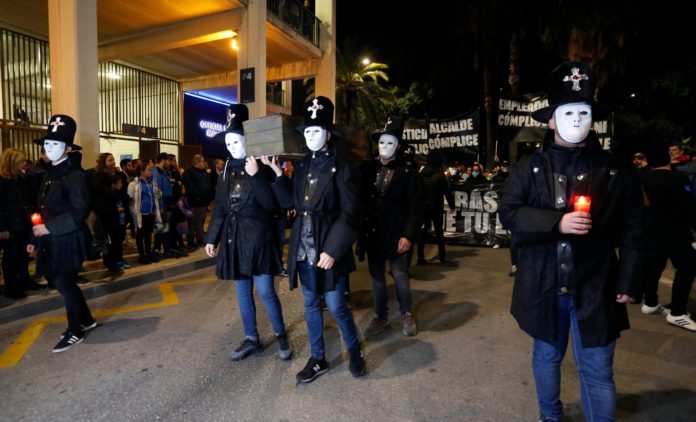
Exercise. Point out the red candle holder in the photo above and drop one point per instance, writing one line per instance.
(36, 219)
(582, 203)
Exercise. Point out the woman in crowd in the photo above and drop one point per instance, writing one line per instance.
(17, 201)
(145, 210)
(104, 204)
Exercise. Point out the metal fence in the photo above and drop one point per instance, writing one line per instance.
(25, 88)
(301, 19)
(135, 97)
(126, 95)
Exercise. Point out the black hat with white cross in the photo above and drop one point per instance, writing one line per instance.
(394, 126)
(60, 128)
(570, 82)
(319, 112)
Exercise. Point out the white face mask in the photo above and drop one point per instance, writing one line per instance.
(54, 149)
(387, 146)
(315, 136)
(573, 121)
(236, 145)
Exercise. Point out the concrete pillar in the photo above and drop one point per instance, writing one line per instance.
(325, 81)
(252, 53)
(72, 30)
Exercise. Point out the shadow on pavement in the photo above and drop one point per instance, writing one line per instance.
(399, 357)
(677, 405)
(123, 329)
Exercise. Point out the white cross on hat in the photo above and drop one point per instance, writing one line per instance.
(575, 77)
(56, 124)
(387, 125)
(314, 107)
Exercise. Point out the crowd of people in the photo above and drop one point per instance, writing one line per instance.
(570, 285)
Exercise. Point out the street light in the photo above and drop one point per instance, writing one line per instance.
(365, 61)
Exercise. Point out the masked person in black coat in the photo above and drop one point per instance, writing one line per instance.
(569, 281)
(242, 225)
(324, 191)
(391, 223)
(62, 240)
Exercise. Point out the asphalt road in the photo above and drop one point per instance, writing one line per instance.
(168, 359)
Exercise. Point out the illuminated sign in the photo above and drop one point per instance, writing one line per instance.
(211, 128)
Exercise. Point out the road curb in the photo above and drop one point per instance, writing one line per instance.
(102, 289)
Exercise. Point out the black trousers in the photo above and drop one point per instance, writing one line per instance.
(143, 235)
(195, 235)
(75, 304)
(437, 219)
(15, 265)
(683, 257)
(114, 251)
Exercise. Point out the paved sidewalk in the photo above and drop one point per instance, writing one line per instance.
(97, 281)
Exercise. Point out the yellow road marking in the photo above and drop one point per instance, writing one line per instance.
(26, 339)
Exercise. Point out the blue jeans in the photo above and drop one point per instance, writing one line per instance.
(594, 367)
(266, 290)
(402, 284)
(335, 301)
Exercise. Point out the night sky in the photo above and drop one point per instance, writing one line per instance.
(427, 42)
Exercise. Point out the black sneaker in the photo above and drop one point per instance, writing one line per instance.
(68, 342)
(356, 363)
(245, 349)
(313, 369)
(285, 351)
(85, 328)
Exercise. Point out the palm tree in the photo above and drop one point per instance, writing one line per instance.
(360, 99)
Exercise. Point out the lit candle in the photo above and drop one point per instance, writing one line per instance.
(36, 219)
(582, 203)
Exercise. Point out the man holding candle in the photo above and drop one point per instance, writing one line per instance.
(60, 232)
(566, 205)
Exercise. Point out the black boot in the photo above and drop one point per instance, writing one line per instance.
(356, 363)
(285, 351)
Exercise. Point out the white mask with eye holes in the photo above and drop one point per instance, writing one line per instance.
(54, 149)
(315, 137)
(236, 145)
(387, 146)
(573, 121)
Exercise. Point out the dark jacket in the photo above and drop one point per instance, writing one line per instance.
(435, 187)
(17, 202)
(242, 223)
(389, 216)
(334, 211)
(197, 183)
(64, 203)
(534, 201)
(104, 198)
(672, 209)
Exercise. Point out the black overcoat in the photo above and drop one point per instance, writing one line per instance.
(64, 204)
(529, 210)
(393, 216)
(17, 202)
(335, 211)
(246, 234)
